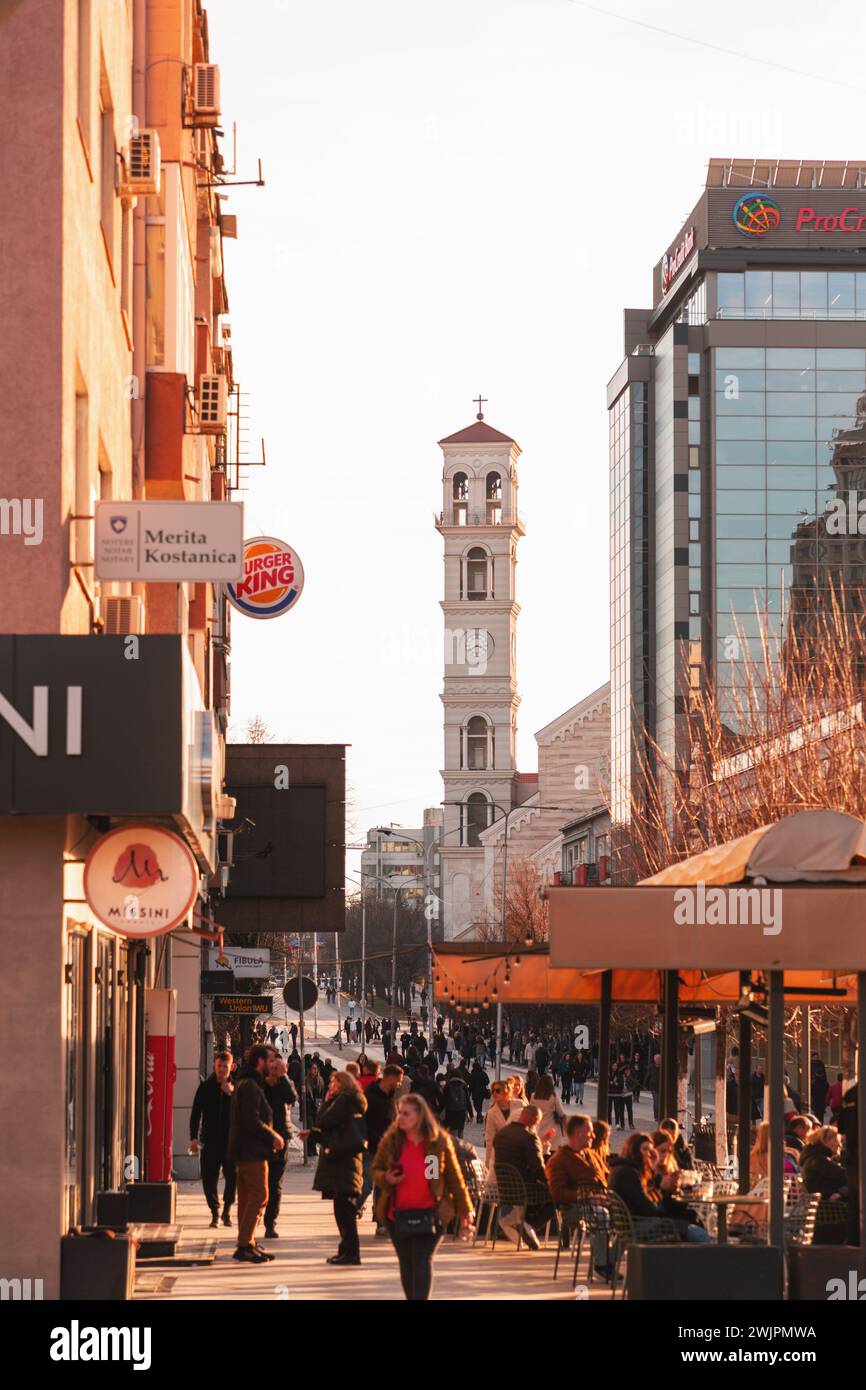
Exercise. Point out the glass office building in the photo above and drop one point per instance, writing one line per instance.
(738, 415)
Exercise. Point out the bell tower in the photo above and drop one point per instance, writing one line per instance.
(480, 528)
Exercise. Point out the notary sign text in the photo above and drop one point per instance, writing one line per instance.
(169, 541)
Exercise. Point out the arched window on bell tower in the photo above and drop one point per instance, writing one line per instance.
(478, 574)
(460, 496)
(475, 817)
(493, 494)
(478, 749)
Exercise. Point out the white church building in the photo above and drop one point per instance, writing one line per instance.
(480, 528)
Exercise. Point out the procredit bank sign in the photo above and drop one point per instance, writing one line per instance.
(673, 261)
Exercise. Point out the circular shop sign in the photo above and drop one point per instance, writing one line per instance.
(273, 579)
(140, 880)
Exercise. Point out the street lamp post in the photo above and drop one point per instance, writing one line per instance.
(410, 839)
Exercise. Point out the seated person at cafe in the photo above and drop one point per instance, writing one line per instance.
(632, 1180)
(682, 1152)
(575, 1169)
(667, 1176)
(518, 1146)
(797, 1131)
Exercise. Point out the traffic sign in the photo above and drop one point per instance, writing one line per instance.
(307, 996)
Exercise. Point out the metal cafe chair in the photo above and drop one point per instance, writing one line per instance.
(512, 1193)
(574, 1220)
(629, 1230)
(488, 1202)
(831, 1222)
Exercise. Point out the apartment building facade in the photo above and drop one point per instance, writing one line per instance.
(117, 372)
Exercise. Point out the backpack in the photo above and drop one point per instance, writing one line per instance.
(456, 1096)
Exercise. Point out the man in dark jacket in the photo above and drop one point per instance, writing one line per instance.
(381, 1112)
(252, 1141)
(210, 1113)
(281, 1096)
(455, 1102)
(517, 1146)
(479, 1088)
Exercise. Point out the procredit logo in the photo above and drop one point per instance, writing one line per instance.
(756, 214)
(672, 264)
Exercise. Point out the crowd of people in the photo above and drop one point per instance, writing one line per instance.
(391, 1135)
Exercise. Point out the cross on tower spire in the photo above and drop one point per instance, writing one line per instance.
(480, 401)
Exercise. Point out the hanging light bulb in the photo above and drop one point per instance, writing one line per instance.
(528, 938)
(485, 1002)
(494, 993)
(507, 978)
(475, 1009)
(517, 960)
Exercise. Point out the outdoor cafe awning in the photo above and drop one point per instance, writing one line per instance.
(785, 897)
(470, 971)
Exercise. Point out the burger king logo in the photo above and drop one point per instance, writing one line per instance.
(273, 579)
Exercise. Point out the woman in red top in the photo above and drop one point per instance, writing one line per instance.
(421, 1190)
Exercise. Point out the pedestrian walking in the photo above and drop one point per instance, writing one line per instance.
(381, 1114)
(281, 1097)
(479, 1087)
(210, 1114)
(252, 1141)
(421, 1191)
(340, 1130)
(455, 1102)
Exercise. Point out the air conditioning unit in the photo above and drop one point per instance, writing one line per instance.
(206, 89)
(124, 615)
(212, 404)
(229, 224)
(141, 167)
(226, 806)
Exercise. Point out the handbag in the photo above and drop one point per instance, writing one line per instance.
(419, 1221)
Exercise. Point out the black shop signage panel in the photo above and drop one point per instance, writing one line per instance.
(87, 727)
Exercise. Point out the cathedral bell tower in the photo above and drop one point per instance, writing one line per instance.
(480, 528)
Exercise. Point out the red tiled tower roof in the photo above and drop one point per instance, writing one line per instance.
(478, 433)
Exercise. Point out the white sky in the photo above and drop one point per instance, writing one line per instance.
(448, 209)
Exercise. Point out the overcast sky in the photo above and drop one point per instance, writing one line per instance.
(448, 210)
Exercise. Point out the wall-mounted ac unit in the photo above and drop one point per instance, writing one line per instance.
(212, 404)
(141, 167)
(124, 615)
(206, 89)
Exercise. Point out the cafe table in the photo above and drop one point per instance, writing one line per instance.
(723, 1203)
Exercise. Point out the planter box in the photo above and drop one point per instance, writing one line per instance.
(152, 1202)
(811, 1267)
(112, 1209)
(685, 1273)
(96, 1269)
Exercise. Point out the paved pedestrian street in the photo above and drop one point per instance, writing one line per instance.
(308, 1236)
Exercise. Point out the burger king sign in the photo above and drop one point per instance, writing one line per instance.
(273, 579)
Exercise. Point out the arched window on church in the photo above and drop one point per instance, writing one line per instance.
(479, 747)
(476, 817)
(460, 494)
(494, 499)
(479, 574)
